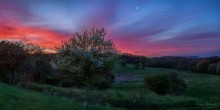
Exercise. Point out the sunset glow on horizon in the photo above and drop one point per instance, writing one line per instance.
(141, 27)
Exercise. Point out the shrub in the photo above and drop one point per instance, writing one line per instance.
(165, 83)
(178, 85)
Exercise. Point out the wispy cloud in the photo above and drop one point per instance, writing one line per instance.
(155, 28)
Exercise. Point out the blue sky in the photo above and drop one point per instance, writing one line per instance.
(142, 27)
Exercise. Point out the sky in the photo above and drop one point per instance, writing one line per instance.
(141, 27)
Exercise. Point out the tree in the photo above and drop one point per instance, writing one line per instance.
(212, 68)
(13, 55)
(218, 68)
(89, 56)
(202, 66)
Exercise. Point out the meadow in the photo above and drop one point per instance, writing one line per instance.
(127, 92)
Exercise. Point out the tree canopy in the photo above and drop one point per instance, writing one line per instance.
(88, 55)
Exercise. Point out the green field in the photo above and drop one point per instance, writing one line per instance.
(13, 98)
(128, 92)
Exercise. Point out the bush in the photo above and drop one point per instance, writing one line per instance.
(178, 85)
(165, 83)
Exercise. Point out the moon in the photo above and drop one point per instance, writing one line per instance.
(137, 8)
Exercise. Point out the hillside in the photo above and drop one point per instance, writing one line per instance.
(12, 98)
(127, 92)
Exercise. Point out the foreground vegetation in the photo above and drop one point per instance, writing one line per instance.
(205, 88)
(12, 98)
(132, 93)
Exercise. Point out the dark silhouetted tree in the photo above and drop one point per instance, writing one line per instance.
(212, 68)
(13, 55)
(90, 58)
(202, 66)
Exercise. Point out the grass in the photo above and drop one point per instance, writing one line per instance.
(12, 98)
(128, 92)
(204, 87)
(130, 99)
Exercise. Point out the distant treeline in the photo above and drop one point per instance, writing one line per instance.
(22, 62)
(210, 65)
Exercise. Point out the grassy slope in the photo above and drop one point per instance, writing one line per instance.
(203, 92)
(117, 96)
(201, 86)
(130, 92)
(12, 98)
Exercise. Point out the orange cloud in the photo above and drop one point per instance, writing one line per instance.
(37, 35)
